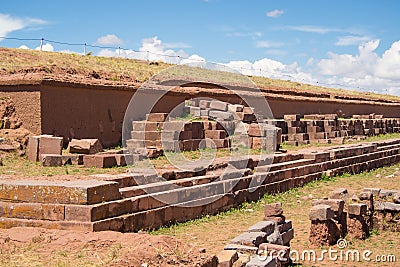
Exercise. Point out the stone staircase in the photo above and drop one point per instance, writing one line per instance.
(142, 200)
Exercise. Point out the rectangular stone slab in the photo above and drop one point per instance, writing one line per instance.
(66, 192)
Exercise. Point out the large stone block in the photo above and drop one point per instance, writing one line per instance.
(33, 148)
(337, 205)
(321, 213)
(85, 146)
(51, 160)
(221, 115)
(99, 161)
(69, 192)
(263, 226)
(156, 117)
(218, 105)
(226, 258)
(274, 209)
(250, 239)
(50, 145)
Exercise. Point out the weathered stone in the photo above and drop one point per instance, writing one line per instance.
(286, 226)
(33, 148)
(365, 196)
(275, 238)
(156, 117)
(323, 233)
(51, 160)
(321, 213)
(387, 193)
(277, 219)
(250, 239)
(337, 205)
(274, 209)
(50, 145)
(235, 108)
(357, 209)
(85, 146)
(222, 115)
(263, 226)
(203, 104)
(99, 161)
(218, 105)
(339, 193)
(68, 192)
(396, 198)
(226, 258)
(374, 191)
(287, 236)
(294, 117)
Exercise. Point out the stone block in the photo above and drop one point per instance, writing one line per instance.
(235, 108)
(357, 209)
(65, 192)
(292, 117)
(250, 239)
(156, 117)
(263, 226)
(375, 191)
(323, 233)
(277, 219)
(33, 148)
(204, 104)
(337, 205)
(339, 193)
(194, 111)
(274, 209)
(51, 160)
(318, 156)
(396, 198)
(69, 159)
(215, 134)
(99, 161)
(226, 258)
(221, 115)
(85, 146)
(50, 145)
(365, 196)
(218, 105)
(286, 226)
(287, 236)
(321, 213)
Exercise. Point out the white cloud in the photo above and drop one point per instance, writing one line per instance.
(109, 39)
(46, 47)
(366, 69)
(9, 23)
(351, 40)
(24, 47)
(269, 44)
(312, 29)
(275, 13)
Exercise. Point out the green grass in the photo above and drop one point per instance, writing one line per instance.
(120, 69)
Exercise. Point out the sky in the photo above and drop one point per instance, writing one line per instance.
(346, 44)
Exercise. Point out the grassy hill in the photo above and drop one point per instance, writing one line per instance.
(121, 70)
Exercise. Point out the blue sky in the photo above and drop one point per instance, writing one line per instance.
(352, 44)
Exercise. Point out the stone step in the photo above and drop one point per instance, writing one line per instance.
(65, 192)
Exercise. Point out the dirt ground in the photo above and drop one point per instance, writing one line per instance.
(43, 247)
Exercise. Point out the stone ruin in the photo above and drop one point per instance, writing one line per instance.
(343, 215)
(328, 128)
(266, 243)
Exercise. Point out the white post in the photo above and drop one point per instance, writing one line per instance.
(41, 44)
